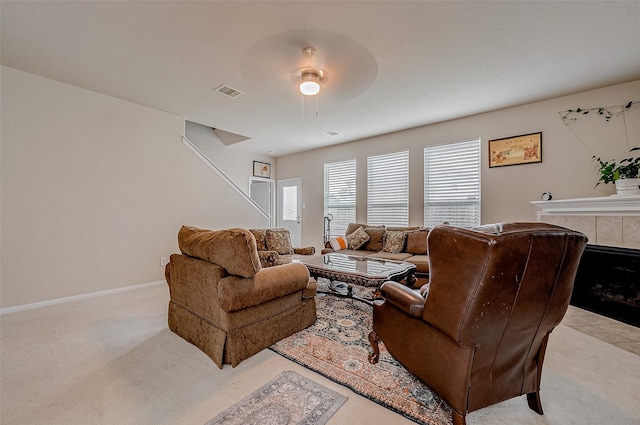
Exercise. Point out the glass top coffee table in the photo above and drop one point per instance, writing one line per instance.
(365, 271)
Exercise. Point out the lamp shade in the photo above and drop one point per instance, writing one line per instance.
(309, 84)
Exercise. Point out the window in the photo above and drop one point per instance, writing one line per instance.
(290, 203)
(340, 194)
(452, 184)
(388, 189)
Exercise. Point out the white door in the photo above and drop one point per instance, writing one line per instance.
(290, 208)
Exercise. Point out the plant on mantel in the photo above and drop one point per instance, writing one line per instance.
(610, 171)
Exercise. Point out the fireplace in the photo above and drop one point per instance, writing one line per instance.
(608, 283)
(608, 278)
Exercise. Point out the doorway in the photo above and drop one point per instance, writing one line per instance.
(263, 193)
(290, 208)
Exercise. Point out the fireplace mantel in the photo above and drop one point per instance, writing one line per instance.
(608, 220)
(605, 205)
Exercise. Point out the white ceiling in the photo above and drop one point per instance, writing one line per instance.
(392, 64)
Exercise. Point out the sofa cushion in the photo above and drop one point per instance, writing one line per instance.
(394, 241)
(402, 228)
(376, 235)
(279, 240)
(357, 239)
(421, 262)
(233, 249)
(417, 242)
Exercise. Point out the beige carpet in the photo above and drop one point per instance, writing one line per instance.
(112, 360)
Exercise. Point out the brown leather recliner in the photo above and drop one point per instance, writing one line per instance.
(495, 294)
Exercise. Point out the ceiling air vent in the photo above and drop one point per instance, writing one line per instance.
(331, 133)
(228, 91)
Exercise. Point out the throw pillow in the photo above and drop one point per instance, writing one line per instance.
(394, 241)
(338, 243)
(261, 238)
(376, 235)
(352, 227)
(279, 240)
(417, 242)
(357, 238)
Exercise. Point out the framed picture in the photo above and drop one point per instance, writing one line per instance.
(261, 169)
(516, 150)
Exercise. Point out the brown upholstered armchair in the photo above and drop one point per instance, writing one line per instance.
(495, 294)
(226, 304)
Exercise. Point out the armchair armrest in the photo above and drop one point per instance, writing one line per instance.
(236, 292)
(406, 299)
(309, 250)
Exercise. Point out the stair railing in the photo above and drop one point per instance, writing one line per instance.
(226, 179)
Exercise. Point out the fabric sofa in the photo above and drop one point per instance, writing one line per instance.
(275, 247)
(390, 243)
(225, 303)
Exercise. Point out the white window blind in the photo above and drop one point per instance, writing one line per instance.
(452, 184)
(340, 194)
(388, 189)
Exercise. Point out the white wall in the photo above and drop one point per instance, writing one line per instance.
(94, 190)
(566, 170)
(232, 160)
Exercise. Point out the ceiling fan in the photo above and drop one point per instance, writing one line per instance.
(266, 66)
(309, 78)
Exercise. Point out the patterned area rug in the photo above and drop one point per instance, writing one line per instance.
(337, 347)
(288, 399)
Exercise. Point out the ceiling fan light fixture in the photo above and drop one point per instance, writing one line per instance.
(309, 84)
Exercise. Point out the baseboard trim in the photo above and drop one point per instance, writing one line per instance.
(63, 300)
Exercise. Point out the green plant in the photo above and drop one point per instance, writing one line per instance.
(610, 171)
(569, 117)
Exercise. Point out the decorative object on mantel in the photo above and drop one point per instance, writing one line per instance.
(625, 174)
(261, 169)
(546, 196)
(515, 150)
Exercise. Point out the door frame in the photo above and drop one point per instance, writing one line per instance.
(272, 197)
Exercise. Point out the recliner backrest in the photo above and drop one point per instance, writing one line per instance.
(502, 289)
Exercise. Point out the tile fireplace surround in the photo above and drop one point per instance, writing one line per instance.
(608, 278)
(609, 220)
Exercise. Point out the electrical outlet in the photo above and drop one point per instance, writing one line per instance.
(163, 261)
